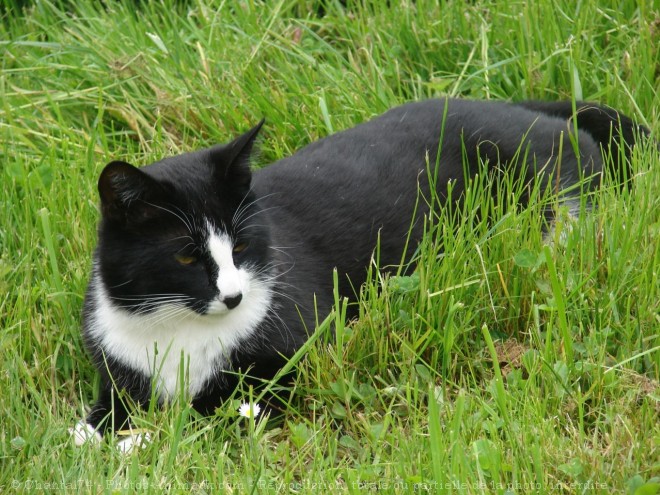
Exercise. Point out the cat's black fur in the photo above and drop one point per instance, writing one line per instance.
(325, 207)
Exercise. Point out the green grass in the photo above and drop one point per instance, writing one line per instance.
(502, 365)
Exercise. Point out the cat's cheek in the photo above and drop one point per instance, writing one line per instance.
(84, 433)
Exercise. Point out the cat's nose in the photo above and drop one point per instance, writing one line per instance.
(232, 301)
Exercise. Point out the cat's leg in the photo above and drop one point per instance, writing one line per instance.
(83, 433)
(91, 429)
(108, 414)
(135, 440)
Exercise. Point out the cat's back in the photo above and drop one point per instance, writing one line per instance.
(392, 151)
(401, 136)
(359, 157)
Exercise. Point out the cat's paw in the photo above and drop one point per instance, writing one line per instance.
(134, 441)
(83, 433)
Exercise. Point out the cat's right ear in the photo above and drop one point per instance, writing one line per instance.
(231, 161)
(125, 189)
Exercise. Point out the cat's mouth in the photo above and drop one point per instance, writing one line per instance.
(222, 305)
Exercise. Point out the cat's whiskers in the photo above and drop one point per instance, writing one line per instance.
(281, 250)
(153, 306)
(276, 283)
(183, 218)
(171, 313)
(240, 209)
(156, 304)
(166, 300)
(193, 244)
(155, 318)
(148, 299)
(273, 277)
(179, 314)
(192, 241)
(284, 295)
(122, 284)
(189, 218)
(150, 309)
(250, 226)
(271, 267)
(282, 328)
(240, 223)
(150, 296)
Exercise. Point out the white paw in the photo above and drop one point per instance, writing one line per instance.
(133, 441)
(83, 433)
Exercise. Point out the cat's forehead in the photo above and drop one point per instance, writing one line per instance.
(190, 170)
(193, 185)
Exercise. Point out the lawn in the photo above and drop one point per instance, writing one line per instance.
(504, 364)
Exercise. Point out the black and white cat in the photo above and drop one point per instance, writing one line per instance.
(206, 267)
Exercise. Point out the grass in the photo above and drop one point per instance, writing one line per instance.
(502, 365)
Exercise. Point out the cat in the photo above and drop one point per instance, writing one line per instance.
(204, 266)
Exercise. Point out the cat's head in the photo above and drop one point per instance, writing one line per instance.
(184, 232)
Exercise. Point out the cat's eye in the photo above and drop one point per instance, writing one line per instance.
(185, 260)
(240, 247)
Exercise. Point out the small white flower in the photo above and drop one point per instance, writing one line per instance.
(248, 410)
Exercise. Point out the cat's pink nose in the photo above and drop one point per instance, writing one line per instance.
(232, 301)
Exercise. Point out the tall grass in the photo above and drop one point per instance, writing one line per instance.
(502, 364)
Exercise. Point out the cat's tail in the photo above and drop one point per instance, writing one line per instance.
(616, 133)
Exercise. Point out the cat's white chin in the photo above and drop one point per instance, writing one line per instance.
(154, 343)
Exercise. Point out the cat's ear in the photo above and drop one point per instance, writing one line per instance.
(125, 189)
(231, 161)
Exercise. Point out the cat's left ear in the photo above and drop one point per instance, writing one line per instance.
(231, 161)
(127, 193)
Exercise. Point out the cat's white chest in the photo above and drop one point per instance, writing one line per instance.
(173, 345)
